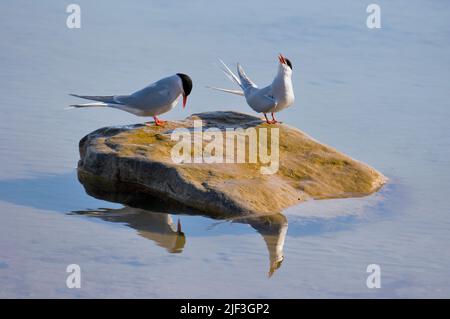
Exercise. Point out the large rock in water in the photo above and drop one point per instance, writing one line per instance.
(140, 157)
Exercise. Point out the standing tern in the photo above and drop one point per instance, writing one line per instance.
(270, 99)
(153, 100)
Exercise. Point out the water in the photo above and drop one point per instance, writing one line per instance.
(380, 96)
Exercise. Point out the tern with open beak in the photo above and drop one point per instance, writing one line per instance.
(153, 100)
(270, 99)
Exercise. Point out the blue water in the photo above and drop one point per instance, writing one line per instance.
(381, 96)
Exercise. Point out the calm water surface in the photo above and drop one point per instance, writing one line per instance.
(380, 96)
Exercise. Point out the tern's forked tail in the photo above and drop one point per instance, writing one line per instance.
(226, 70)
(101, 101)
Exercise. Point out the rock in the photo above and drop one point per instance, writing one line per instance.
(140, 158)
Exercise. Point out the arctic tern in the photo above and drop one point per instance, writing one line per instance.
(153, 100)
(270, 99)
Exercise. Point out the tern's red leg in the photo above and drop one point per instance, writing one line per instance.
(158, 122)
(267, 120)
(273, 119)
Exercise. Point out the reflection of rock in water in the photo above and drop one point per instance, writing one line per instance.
(273, 229)
(149, 215)
(157, 227)
(132, 195)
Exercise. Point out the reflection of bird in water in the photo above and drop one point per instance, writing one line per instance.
(273, 229)
(158, 227)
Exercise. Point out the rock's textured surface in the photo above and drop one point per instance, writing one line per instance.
(140, 157)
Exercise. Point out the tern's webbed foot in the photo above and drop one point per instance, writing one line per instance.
(273, 122)
(158, 122)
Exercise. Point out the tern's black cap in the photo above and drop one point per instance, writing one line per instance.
(187, 83)
(288, 62)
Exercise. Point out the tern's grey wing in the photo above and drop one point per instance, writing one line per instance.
(261, 100)
(246, 83)
(156, 94)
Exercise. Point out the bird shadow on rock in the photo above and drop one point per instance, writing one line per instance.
(221, 120)
(227, 119)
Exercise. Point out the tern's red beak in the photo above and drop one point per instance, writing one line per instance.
(184, 101)
(282, 59)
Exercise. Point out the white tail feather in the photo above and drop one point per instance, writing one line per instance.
(237, 92)
(94, 104)
(230, 74)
